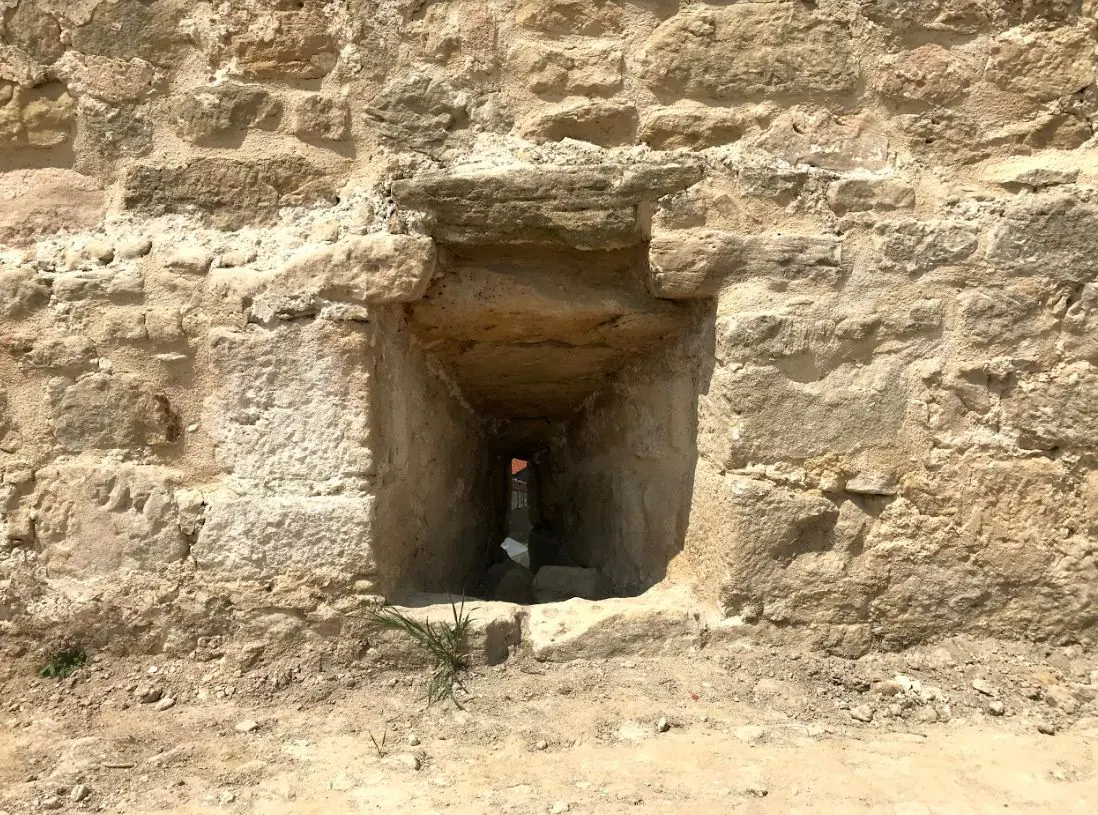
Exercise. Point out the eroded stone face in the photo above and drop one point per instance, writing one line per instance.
(748, 50)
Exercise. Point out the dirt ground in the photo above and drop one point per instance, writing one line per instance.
(964, 726)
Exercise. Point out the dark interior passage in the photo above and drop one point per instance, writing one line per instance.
(587, 392)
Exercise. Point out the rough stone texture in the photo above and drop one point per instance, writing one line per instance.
(96, 518)
(366, 269)
(792, 305)
(751, 49)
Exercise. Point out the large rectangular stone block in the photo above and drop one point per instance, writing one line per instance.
(313, 540)
(94, 519)
(291, 408)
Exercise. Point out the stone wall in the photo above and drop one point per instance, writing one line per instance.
(281, 281)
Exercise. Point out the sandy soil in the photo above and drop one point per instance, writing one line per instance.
(746, 728)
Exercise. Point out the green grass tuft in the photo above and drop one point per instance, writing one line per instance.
(447, 643)
(64, 664)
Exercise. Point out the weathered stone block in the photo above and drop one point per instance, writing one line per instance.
(325, 541)
(590, 69)
(230, 193)
(362, 269)
(134, 28)
(1049, 235)
(766, 527)
(106, 132)
(207, 114)
(291, 412)
(104, 411)
(592, 207)
(95, 519)
(1044, 65)
(604, 123)
(692, 127)
(758, 414)
(35, 117)
(284, 39)
(865, 194)
(41, 202)
(751, 50)
(115, 81)
(589, 18)
(916, 247)
(699, 262)
(419, 111)
(959, 16)
(321, 117)
(1056, 412)
(929, 73)
(21, 292)
(34, 30)
(821, 140)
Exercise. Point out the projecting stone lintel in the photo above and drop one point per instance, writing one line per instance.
(603, 206)
(697, 263)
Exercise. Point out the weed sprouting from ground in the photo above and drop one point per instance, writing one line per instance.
(64, 664)
(446, 642)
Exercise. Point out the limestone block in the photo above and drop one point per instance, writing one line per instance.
(1050, 235)
(106, 132)
(134, 28)
(916, 247)
(661, 621)
(286, 39)
(35, 117)
(229, 192)
(379, 268)
(39, 202)
(323, 117)
(115, 81)
(929, 73)
(820, 140)
(103, 411)
(766, 528)
(750, 50)
(22, 291)
(229, 110)
(865, 194)
(589, 18)
(1080, 338)
(555, 583)
(34, 30)
(959, 16)
(699, 262)
(323, 541)
(758, 414)
(964, 16)
(60, 349)
(603, 123)
(1043, 65)
(590, 69)
(416, 110)
(1057, 412)
(94, 518)
(291, 411)
(589, 207)
(810, 346)
(692, 127)
(1033, 172)
(1010, 316)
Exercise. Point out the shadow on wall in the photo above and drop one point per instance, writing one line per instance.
(617, 483)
